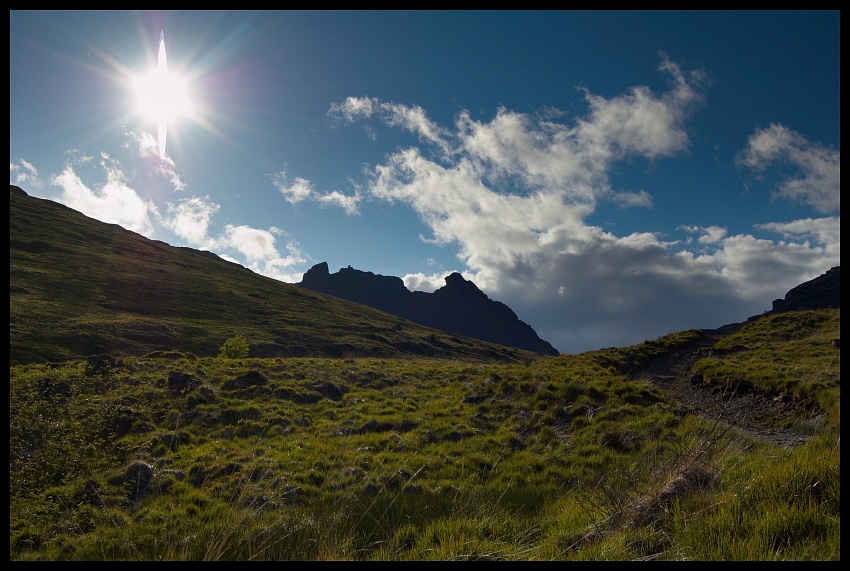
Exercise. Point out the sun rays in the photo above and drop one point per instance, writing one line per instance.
(162, 96)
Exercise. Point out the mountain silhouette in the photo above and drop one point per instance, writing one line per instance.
(459, 307)
(821, 292)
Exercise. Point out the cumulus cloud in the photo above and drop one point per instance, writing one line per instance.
(253, 243)
(141, 198)
(422, 282)
(531, 182)
(114, 202)
(190, 220)
(24, 175)
(818, 177)
(824, 231)
(259, 249)
(712, 235)
(621, 291)
(641, 123)
(514, 194)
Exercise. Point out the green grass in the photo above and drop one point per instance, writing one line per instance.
(563, 458)
(786, 356)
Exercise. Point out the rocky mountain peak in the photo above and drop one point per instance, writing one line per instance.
(821, 292)
(455, 279)
(459, 307)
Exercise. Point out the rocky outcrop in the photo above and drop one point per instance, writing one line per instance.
(459, 307)
(820, 293)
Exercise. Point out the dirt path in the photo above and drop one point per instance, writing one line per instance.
(751, 413)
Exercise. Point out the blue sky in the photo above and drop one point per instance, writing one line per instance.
(610, 176)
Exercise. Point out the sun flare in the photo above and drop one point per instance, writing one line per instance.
(162, 96)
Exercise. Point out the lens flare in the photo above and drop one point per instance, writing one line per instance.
(162, 96)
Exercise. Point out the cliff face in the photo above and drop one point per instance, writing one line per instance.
(459, 307)
(822, 292)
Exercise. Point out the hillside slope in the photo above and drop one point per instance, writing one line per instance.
(80, 287)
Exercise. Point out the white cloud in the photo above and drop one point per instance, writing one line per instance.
(532, 183)
(258, 247)
(190, 220)
(712, 235)
(526, 161)
(148, 149)
(300, 189)
(514, 194)
(640, 123)
(825, 231)
(353, 108)
(632, 199)
(253, 243)
(422, 282)
(818, 180)
(542, 155)
(349, 203)
(413, 119)
(114, 202)
(24, 175)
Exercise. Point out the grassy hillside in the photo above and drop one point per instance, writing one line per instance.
(577, 457)
(80, 287)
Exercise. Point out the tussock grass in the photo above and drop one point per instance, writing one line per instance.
(564, 458)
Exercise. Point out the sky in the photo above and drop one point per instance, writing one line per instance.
(611, 176)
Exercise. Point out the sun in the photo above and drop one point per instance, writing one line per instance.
(162, 96)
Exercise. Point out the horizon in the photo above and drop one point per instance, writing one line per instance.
(612, 177)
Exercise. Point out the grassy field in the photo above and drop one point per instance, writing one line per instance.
(170, 456)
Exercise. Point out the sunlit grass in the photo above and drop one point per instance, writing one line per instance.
(565, 458)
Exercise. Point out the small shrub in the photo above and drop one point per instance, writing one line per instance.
(234, 348)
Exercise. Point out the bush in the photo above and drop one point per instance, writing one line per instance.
(234, 348)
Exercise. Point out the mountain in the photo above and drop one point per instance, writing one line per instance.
(459, 307)
(823, 292)
(79, 287)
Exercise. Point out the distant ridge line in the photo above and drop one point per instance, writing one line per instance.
(459, 307)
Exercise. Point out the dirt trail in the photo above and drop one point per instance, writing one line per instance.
(751, 412)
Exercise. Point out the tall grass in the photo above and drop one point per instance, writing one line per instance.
(370, 459)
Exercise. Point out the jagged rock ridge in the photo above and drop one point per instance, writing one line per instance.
(459, 307)
(823, 291)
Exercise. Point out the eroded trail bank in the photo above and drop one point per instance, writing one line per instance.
(751, 412)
